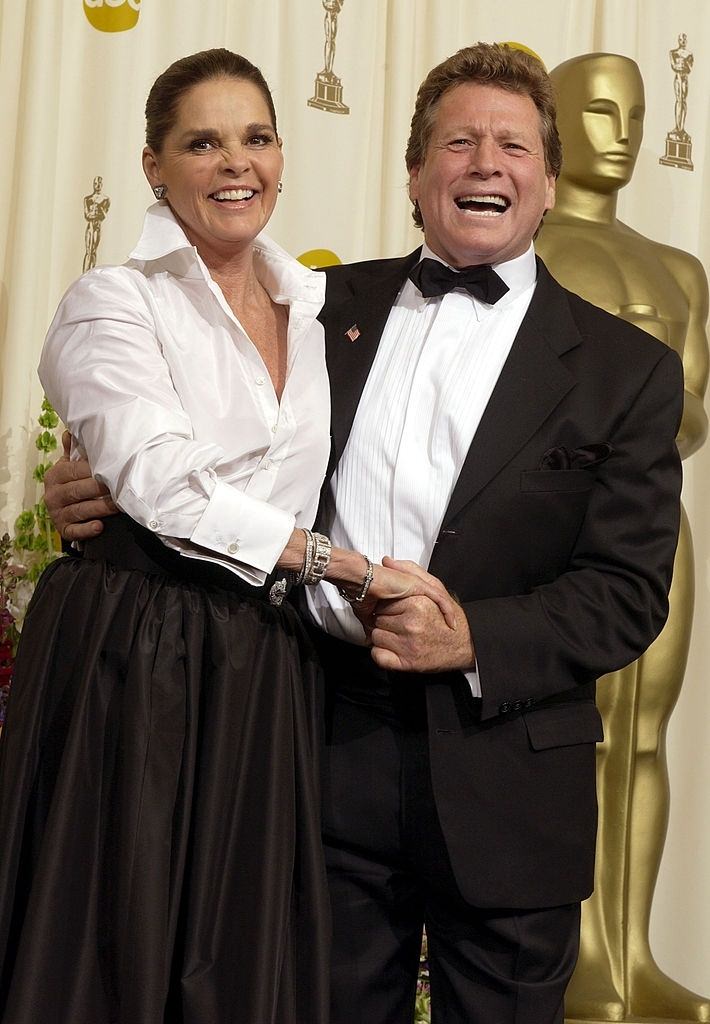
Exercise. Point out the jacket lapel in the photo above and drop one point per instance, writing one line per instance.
(532, 383)
(358, 302)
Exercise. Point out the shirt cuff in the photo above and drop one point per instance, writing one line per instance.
(474, 682)
(243, 529)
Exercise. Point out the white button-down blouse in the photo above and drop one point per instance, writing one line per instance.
(171, 402)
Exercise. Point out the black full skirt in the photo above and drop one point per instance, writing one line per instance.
(161, 858)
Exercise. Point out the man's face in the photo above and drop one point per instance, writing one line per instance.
(482, 188)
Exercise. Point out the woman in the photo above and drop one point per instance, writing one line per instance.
(158, 805)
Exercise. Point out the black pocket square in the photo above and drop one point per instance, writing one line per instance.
(585, 457)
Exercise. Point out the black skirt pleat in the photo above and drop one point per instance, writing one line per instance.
(159, 820)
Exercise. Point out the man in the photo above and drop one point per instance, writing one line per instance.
(490, 437)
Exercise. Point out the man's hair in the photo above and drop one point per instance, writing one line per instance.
(486, 64)
(171, 86)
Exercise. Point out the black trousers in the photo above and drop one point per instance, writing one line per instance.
(390, 875)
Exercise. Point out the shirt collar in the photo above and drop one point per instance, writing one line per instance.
(164, 243)
(519, 274)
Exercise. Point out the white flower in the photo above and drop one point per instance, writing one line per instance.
(17, 603)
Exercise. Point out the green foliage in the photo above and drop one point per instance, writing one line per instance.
(35, 542)
(49, 420)
(23, 557)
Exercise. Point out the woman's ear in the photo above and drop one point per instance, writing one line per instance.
(151, 167)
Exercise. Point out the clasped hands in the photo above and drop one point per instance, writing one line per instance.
(417, 632)
(410, 620)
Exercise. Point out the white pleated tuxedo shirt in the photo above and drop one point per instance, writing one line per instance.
(172, 404)
(435, 369)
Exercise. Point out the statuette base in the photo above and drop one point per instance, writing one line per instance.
(328, 94)
(679, 148)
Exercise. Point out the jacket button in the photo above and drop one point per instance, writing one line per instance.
(529, 702)
(504, 708)
(517, 705)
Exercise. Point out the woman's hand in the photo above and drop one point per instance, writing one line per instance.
(391, 581)
(394, 580)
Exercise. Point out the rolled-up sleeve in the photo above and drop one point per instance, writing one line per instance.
(104, 371)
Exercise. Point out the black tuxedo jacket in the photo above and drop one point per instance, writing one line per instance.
(559, 541)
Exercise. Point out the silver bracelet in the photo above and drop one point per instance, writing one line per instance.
(362, 594)
(319, 561)
(300, 576)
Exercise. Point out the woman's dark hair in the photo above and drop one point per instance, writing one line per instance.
(170, 87)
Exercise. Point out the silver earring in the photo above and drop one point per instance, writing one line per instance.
(160, 191)
(280, 187)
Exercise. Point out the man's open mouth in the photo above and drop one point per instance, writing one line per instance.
(488, 205)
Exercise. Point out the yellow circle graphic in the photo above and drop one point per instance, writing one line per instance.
(112, 15)
(316, 258)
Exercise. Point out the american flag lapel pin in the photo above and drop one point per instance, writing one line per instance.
(353, 332)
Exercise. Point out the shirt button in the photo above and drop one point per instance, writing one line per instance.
(261, 380)
(274, 428)
(153, 524)
(233, 548)
(266, 464)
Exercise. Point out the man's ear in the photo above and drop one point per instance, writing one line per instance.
(414, 183)
(550, 192)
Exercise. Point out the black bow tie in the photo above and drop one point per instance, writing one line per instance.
(434, 278)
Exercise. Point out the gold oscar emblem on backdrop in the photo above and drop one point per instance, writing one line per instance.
(679, 144)
(316, 259)
(96, 206)
(112, 15)
(328, 87)
(664, 291)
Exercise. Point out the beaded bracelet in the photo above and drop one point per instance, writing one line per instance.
(360, 597)
(300, 576)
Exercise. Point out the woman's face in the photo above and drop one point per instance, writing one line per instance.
(221, 162)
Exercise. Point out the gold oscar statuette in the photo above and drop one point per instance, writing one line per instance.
(96, 206)
(664, 291)
(328, 87)
(679, 145)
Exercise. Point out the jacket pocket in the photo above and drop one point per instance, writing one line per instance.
(556, 480)
(564, 725)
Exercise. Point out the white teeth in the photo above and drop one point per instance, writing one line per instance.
(234, 193)
(491, 200)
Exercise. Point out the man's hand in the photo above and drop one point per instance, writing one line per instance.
(75, 501)
(411, 635)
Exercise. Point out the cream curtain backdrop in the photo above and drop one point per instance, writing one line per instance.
(71, 102)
